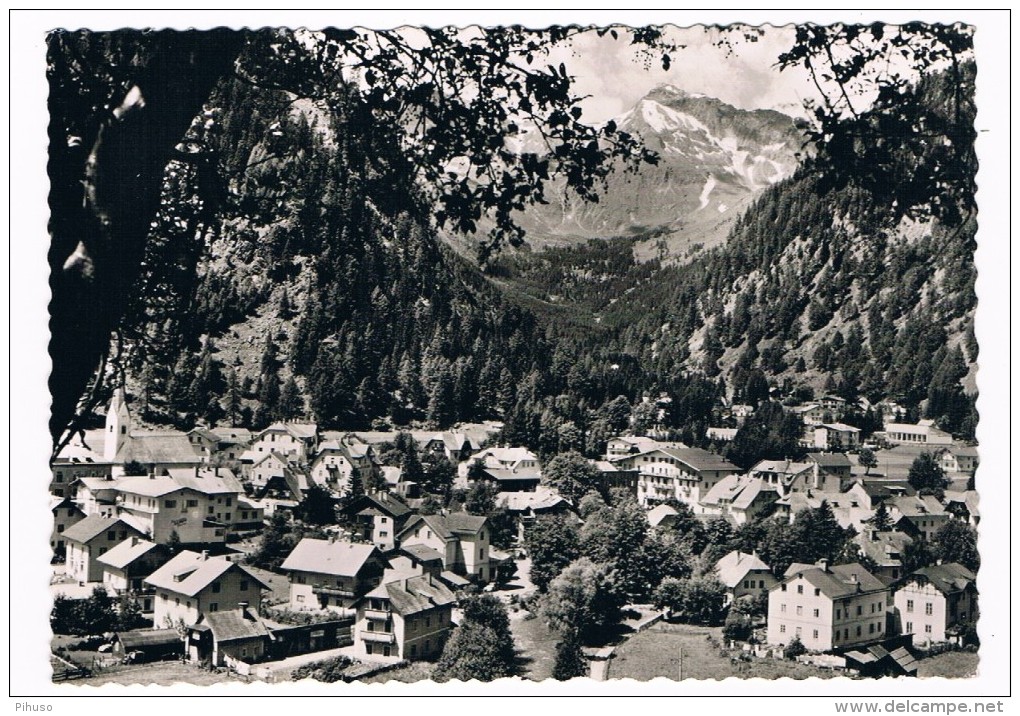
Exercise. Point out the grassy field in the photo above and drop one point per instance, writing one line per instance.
(656, 652)
(418, 671)
(165, 673)
(536, 644)
(951, 665)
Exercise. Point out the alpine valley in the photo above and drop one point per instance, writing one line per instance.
(729, 269)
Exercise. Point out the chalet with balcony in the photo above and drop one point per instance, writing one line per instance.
(329, 574)
(405, 618)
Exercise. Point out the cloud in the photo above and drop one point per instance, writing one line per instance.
(616, 76)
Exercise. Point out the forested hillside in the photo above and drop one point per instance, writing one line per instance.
(328, 297)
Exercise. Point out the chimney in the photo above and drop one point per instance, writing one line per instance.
(205, 554)
(824, 564)
(242, 605)
(216, 471)
(853, 578)
(134, 540)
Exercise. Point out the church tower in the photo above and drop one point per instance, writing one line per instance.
(118, 426)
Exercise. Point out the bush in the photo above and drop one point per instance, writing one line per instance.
(794, 649)
(329, 671)
(737, 627)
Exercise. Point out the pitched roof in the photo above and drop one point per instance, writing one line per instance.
(659, 513)
(886, 548)
(542, 498)
(342, 559)
(140, 638)
(969, 498)
(232, 436)
(300, 431)
(387, 503)
(189, 573)
(234, 624)
(734, 567)
(152, 448)
(918, 506)
(829, 459)
(699, 459)
(92, 526)
(422, 553)
(207, 482)
(148, 486)
(787, 468)
(840, 427)
(127, 552)
(740, 491)
(947, 578)
(500, 474)
(418, 594)
(447, 526)
(836, 582)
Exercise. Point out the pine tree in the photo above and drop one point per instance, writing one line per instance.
(291, 404)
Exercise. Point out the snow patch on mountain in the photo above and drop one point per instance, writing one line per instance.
(706, 191)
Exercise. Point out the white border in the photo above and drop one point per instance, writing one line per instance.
(29, 399)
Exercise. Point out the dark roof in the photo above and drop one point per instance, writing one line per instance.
(947, 578)
(501, 474)
(839, 581)
(92, 526)
(699, 459)
(234, 624)
(829, 459)
(422, 553)
(418, 594)
(141, 638)
(388, 503)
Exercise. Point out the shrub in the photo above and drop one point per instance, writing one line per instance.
(794, 649)
(329, 671)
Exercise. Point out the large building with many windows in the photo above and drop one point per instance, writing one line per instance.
(828, 608)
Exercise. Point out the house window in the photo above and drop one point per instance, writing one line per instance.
(212, 509)
(818, 592)
(927, 628)
(761, 584)
(910, 627)
(368, 648)
(384, 533)
(800, 589)
(214, 607)
(481, 554)
(747, 584)
(301, 599)
(244, 585)
(228, 517)
(839, 614)
(382, 520)
(814, 634)
(169, 503)
(192, 503)
(229, 501)
(871, 628)
(216, 587)
(910, 605)
(111, 536)
(783, 587)
(102, 550)
(860, 609)
(816, 613)
(177, 601)
(928, 608)
(858, 630)
(428, 621)
(386, 651)
(880, 606)
(60, 528)
(800, 610)
(782, 608)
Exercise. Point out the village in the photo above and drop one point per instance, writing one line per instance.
(291, 552)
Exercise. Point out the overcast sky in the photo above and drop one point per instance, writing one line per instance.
(615, 76)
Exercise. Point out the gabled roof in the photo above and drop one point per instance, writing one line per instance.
(299, 431)
(127, 552)
(234, 624)
(541, 499)
(740, 491)
(787, 468)
(422, 553)
(886, 549)
(207, 482)
(449, 526)
(417, 594)
(840, 427)
(204, 433)
(915, 506)
(189, 573)
(968, 498)
(734, 567)
(829, 459)
(92, 526)
(698, 459)
(158, 448)
(138, 639)
(947, 578)
(385, 502)
(232, 436)
(342, 559)
(842, 580)
(500, 474)
(657, 514)
(148, 486)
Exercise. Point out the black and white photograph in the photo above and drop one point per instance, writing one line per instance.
(517, 352)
